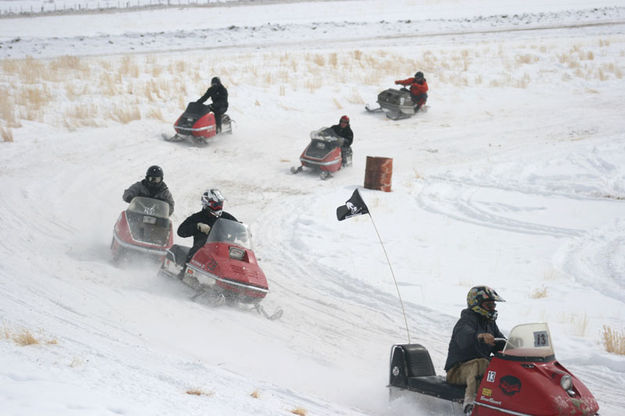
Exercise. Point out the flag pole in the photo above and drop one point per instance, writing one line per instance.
(401, 302)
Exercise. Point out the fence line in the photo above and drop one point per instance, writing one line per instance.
(78, 7)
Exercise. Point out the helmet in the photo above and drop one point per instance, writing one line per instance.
(213, 201)
(154, 176)
(344, 119)
(215, 81)
(418, 76)
(480, 294)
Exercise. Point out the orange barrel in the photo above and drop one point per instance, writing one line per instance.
(378, 173)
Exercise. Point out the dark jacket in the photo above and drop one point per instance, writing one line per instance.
(159, 191)
(188, 228)
(219, 94)
(464, 345)
(344, 132)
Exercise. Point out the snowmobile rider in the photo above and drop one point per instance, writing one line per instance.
(198, 225)
(345, 131)
(473, 341)
(152, 187)
(418, 89)
(219, 95)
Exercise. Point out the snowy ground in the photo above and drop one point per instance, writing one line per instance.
(514, 178)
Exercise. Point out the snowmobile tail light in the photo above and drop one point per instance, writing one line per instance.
(566, 382)
(236, 253)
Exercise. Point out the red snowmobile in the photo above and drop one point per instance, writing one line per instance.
(143, 228)
(324, 153)
(224, 270)
(197, 124)
(523, 379)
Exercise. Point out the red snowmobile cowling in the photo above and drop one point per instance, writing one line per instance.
(197, 123)
(225, 266)
(524, 379)
(143, 228)
(229, 268)
(323, 153)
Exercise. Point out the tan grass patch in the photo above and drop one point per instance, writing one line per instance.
(319, 60)
(613, 340)
(299, 411)
(7, 134)
(155, 113)
(539, 293)
(25, 338)
(255, 394)
(125, 115)
(199, 392)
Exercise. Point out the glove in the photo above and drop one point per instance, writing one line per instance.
(204, 228)
(396, 82)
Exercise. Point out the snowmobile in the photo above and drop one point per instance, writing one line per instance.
(397, 104)
(143, 228)
(324, 153)
(224, 270)
(197, 124)
(523, 379)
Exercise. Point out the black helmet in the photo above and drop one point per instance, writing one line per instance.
(480, 294)
(418, 76)
(154, 175)
(215, 81)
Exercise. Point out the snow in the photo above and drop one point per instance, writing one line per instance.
(514, 178)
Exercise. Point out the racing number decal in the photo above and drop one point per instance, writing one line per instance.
(541, 339)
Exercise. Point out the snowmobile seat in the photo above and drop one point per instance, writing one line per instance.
(178, 254)
(412, 369)
(436, 386)
(418, 361)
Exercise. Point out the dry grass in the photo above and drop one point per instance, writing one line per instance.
(539, 293)
(6, 134)
(614, 340)
(126, 115)
(118, 84)
(23, 337)
(199, 392)
(255, 394)
(299, 411)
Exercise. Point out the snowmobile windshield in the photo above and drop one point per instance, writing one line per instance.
(149, 206)
(228, 231)
(529, 340)
(326, 138)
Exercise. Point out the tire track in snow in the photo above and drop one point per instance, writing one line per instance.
(462, 201)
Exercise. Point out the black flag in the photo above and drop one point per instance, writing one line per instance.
(354, 206)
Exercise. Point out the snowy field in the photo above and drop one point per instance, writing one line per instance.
(514, 178)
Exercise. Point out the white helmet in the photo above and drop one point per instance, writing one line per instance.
(213, 201)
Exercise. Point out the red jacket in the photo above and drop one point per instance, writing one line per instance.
(415, 88)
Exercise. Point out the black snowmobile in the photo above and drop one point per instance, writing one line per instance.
(397, 104)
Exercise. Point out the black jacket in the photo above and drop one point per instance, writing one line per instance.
(188, 228)
(219, 94)
(464, 345)
(344, 132)
(142, 188)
